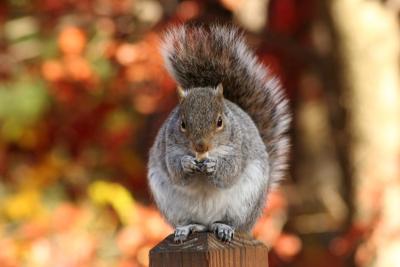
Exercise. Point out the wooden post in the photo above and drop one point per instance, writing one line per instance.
(205, 250)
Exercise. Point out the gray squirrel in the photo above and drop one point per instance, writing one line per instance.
(226, 142)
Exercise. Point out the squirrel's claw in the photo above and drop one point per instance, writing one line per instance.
(223, 231)
(182, 232)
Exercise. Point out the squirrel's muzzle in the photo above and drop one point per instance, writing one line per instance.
(200, 147)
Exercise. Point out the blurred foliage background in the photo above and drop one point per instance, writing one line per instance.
(83, 91)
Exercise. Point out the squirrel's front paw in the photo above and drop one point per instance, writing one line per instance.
(210, 166)
(189, 164)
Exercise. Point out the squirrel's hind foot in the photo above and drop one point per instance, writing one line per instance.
(222, 231)
(182, 232)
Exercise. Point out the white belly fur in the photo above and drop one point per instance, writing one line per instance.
(206, 205)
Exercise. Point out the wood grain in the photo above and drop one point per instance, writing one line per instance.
(205, 250)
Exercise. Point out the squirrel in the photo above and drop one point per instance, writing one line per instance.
(226, 142)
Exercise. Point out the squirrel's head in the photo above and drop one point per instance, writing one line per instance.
(202, 118)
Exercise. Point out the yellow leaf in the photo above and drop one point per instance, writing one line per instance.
(22, 205)
(115, 195)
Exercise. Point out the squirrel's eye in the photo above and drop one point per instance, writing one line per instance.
(219, 122)
(183, 126)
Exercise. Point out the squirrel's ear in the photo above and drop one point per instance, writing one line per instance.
(181, 93)
(220, 90)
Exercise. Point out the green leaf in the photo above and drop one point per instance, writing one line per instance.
(22, 103)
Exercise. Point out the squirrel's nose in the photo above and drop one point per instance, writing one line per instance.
(200, 147)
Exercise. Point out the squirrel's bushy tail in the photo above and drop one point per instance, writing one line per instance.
(201, 56)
